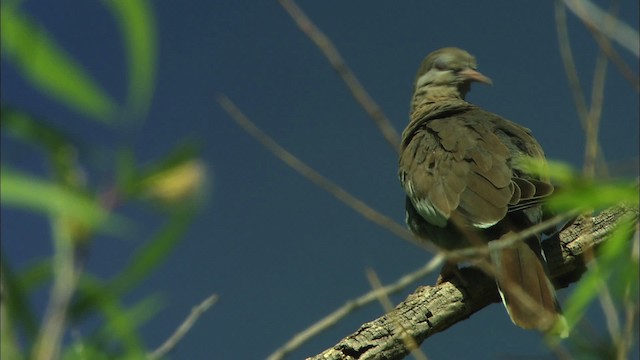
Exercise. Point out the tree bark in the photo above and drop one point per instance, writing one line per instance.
(432, 309)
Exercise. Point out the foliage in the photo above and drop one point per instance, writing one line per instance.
(80, 213)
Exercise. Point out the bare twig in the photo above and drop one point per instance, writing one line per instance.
(572, 75)
(337, 62)
(569, 62)
(182, 330)
(620, 32)
(593, 119)
(615, 58)
(352, 305)
(312, 175)
(509, 241)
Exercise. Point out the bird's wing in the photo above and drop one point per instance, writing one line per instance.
(462, 164)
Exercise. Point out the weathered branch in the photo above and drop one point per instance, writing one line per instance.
(432, 309)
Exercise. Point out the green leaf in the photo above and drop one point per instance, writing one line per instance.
(126, 171)
(60, 148)
(142, 263)
(15, 296)
(25, 127)
(83, 350)
(120, 324)
(124, 321)
(9, 348)
(48, 67)
(137, 24)
(177, 179)
(615, 267)
(593, 195)
(150, 256)
(180, 154)
(24, 191)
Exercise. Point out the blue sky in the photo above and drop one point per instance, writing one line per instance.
(280, 252)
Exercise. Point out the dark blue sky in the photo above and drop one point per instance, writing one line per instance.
(280, 252)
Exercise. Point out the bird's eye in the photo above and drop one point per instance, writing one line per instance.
(439, 64)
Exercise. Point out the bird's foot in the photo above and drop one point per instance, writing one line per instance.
(448, 272)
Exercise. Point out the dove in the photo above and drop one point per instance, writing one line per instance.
(464, 171)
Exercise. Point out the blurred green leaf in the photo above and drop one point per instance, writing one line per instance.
(137, 23)
(38, 273)
(9, 348)
(126, 172)
(60, 148)
(25, 191)
(574, 192)
(48, 67)
(25, 127)
(181, 154)
(120, 324)
(15, 314)
(124, 321)
(84, 350)
(15, 296)
(559, 172)
(593, 195)
(151, 255)
(614, 257)
(142, 263)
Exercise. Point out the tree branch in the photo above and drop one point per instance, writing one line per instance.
(432, 309)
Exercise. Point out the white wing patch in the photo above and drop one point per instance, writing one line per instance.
(430, 213)
(484, 225)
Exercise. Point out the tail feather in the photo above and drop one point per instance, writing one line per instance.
(525, 288)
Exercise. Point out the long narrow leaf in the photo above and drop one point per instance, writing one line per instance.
(145, 260)
(24, 191)
(142, 263)
(49, 68)
(119, 326)
(137, 24)
(15, 295)
(613, 257)
(27, 128)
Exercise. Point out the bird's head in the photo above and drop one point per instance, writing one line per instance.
(448, 72)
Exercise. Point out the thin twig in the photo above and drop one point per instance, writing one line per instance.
(337, 62)
(620, 32)
(572, 75)
(593, 120)
(182, 330)
(508, 241)
(597, 99)
(615, 58)
(314, 176)
(300, 338)
(569, 62)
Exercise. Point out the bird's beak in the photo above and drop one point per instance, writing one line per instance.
(472, 75)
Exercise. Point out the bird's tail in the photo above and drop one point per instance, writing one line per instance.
(525, 288)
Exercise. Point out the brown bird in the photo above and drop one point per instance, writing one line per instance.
(466, 183)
